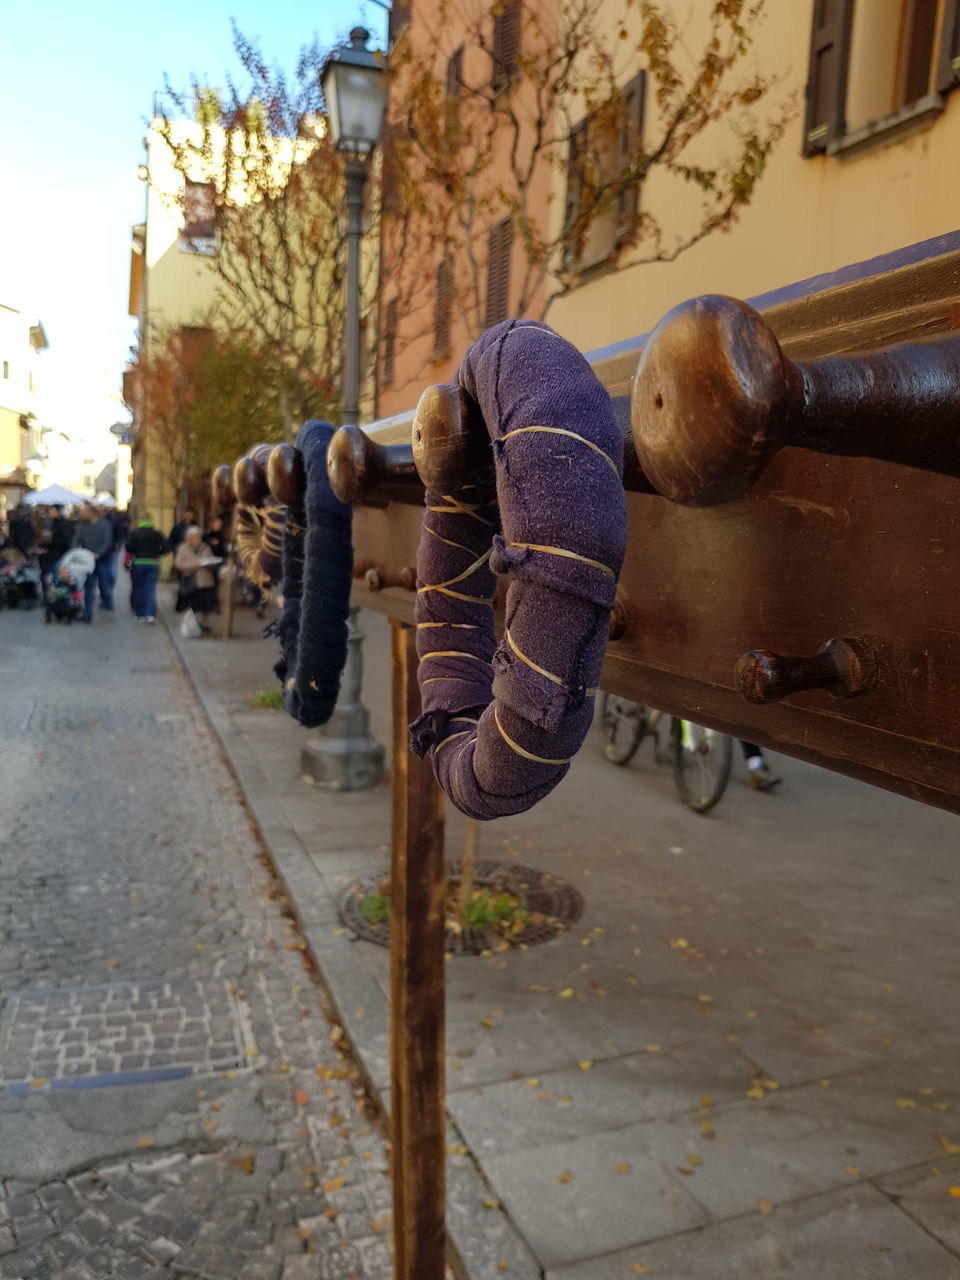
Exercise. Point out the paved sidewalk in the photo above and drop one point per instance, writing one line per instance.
(175, 1101)
(743, 1062)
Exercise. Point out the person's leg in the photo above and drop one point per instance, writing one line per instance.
(136, 591)
(89, 594)
(761, 779)
(105, 582)
(150, 572)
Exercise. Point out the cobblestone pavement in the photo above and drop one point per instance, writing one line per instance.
(173, 1101)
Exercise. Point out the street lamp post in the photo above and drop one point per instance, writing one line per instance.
(347, 757)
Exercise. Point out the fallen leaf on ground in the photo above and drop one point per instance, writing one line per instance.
(334, 1184)
(951, 1148)
(955, 1192)
(640, 1270)
(491, 1204)
(852, 1169)
(146, 1142)
(380, 1225)
(209, 1124)
(566, 1176)
(566, 993)
(652, 1048)
(585, 1065)
(880, 1248)
(301, 1097)
(764, 1205)
(906, 1103)
(621, 1168)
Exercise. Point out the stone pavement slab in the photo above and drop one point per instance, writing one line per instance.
(846, 1235)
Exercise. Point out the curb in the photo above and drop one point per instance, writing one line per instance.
(481, 1239)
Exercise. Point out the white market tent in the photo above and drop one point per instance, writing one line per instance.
(55, 494)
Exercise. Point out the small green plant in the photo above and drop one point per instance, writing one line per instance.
(502, 911)
(376, 907)
(270, 698)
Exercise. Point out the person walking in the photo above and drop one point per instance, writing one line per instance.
(95, 534)
(145, 545)
(193, 562)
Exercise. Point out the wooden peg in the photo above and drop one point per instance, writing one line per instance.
(376, 579)
(451, 442)
(250, 476)
(715, 397)
(286, 476)
(360, 469)
(845, 668)
(221, 486)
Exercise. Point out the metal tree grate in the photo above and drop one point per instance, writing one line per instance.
(555, 903)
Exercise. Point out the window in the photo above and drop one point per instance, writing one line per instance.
(506, 46)
(199, 218)
(444, 310)
(604, 172)
(873, 69)
(389, 342)
(499, 247)
(398, 19)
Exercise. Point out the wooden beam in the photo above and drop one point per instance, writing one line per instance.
(416, 987)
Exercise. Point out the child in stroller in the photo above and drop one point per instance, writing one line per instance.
(20, 584)
(64, 600)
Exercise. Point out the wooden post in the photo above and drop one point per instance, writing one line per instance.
(228, 575)
(416, 988)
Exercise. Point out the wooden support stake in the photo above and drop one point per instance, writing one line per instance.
(417, 887)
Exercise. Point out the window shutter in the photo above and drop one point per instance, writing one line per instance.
(455, 73)
(499, 246)
(948, 71)
(576, 150)
(398, 18)
(444, 310)
(389, 342)
(827, 82)
(199, 211)
(629, 144)
(506, 45)
(921, 36)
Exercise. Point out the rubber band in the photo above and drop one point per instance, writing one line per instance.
(439, 586)
(541, 671)
(521, 751)
(562, 551)
(451, 653)
(573, 435)
(458, 626)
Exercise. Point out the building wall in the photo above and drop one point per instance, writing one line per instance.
(21, 341)
(810, 214)
(438, 27)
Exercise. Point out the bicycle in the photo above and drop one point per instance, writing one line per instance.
(700, 758)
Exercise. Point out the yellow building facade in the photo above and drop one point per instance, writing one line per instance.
(866, 168)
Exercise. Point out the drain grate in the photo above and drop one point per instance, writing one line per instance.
(554, 903)
(120, 1033)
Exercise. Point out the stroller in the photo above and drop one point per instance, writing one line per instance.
(20, 581)
(64, 598)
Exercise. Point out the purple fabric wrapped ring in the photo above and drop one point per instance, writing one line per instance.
(504, 721)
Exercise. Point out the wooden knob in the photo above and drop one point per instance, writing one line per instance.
(715, 397)
(221, 486)
(286, 476)
(250, 476)
(845, 668)
(451, 442)
(450, 438)
(360, 469)
(376, 579)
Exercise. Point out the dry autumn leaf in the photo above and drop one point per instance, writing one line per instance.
(566, 1176)
(764, 1205)
(955, 1192)
(640, 1270)
(621, 1168)
(951, 1148)
(585, 1065)
(334, 1184)
(566, 993)
(146, 1142)
(880, 1248)
(301, 1097)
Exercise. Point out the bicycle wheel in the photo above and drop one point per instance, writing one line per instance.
(701, 761)
(623, 724)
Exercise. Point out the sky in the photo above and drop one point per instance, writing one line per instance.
(76, 90)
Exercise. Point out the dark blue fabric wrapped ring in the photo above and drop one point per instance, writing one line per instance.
(317, 578)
